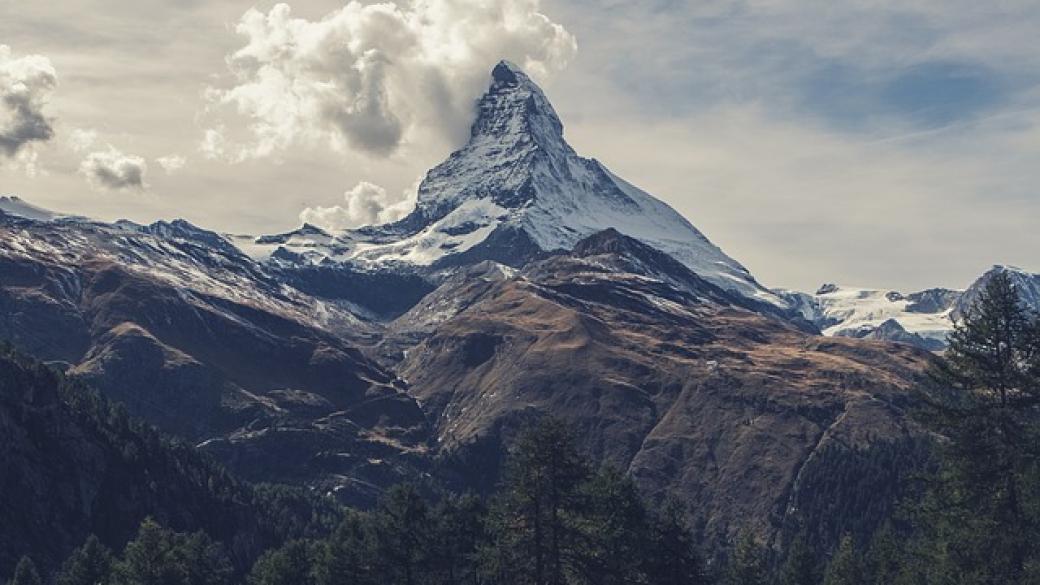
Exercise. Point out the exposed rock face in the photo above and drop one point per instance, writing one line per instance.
(197, 338)
(696, 396)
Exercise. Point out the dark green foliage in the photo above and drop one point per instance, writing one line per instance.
(90, 564)
(158, 556)
(747, 565)
(25, 573)
(73, 441)
(801, 567)
(673, 557)
(614, 531)
(291, 564)
(981, 520)
(854, 490)
(846, 568)
(534, 521)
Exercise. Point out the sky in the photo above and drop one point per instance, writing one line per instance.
(891, 144)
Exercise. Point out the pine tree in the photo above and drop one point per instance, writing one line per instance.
(800, 567)
(346, 556)
(148, 559)
(672, 557)
(90, 564)
(402, 530)
(534, 520)
(459, 529)
(846, 567)
(289, 565)
(747, 564)
(614, 531)
(25, 573)
(983, 398)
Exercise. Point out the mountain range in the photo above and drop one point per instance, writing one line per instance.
(528, 281)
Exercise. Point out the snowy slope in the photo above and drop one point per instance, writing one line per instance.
(921, 318)
(201, 264)
(13, 205)
(518, 185)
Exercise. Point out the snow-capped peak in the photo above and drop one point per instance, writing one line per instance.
(517, 189)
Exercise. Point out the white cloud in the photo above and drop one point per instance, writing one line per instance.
(114, 170)
(26, 86)
(366, 204)
(371, 77)
(81, 139)
(171, 163)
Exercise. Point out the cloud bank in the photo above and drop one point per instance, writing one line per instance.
(112, 169)
(369, 77)
(26, 85)
(366, 204)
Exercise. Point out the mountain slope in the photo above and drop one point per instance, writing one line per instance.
(696, 396)
(195, 337)
(517, 189)
(76, 465)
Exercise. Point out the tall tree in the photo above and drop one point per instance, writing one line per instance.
(672, 557)
(289, 565)
(346, 556)
(90, 564)
(983, 399)
(25, 573)
(402, 529)
(614, 531)
(846, 567)
(800, 567)
(534, 521)
(747, 563)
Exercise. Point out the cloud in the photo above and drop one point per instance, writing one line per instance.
(366, 204)
(81, 139)
(372, 77)
(171, 163)
(26, 86)
(114, 170)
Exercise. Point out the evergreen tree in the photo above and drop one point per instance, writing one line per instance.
(747, 564)
(25, 573)
(90, 564)
(458, 532)
(672, 557)
(289, 565)
(534, 522)
(800, 567)
(402, 529)
(846, 567)
(162, 557)
(614, 531)
(346, 556)
(983, 513)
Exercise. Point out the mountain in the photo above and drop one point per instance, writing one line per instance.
(14, 205)
(664, 375)
(527, 282)
(197, 338)
(514, 191)
(922, 318)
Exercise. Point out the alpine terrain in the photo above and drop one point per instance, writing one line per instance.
(528, 282)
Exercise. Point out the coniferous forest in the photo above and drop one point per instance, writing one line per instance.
(969, 514)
